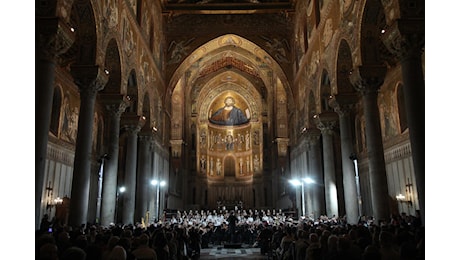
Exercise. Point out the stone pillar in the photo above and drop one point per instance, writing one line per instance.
(367, 80)
(133, 124)
(342, 105)
(90, 79)
(406, 39)
(115, 104)
(53, 37)
(326, 122)
(144, 175)
(316, 172)
(308, 189)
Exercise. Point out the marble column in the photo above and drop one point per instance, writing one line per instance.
(90, 79)
(53, 37)
(308, 190)
(144, 175)
(316, 172)
(133, 124)
(326, 122)
(368, 79)
(406, 39)
(343, 104)
(115, 105)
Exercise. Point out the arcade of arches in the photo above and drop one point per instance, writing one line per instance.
(227, 102)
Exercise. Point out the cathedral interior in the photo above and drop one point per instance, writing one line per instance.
(308, 106)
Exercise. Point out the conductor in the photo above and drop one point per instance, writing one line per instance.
(232, 219)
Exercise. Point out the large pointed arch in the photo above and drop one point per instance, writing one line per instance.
(256, 58)
(82, 19)
(132, 92)
(113, 66)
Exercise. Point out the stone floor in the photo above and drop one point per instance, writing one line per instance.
(221, 252)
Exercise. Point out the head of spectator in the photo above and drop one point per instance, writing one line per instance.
(48, 251)
(313, 238)
(117, 253)
(143, 240)
(113, 241)
(74, 253)
(408, 251)
(385, 239)
(371, 252)
(332, 243)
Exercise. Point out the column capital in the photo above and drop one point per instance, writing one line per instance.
(146, 134)
(282, 144)
(116, 104)
(89, 78)
(326, 121)
(343, 103)
(53, 37)
(368, 78)
(176, 147)
(132, 122)
(405, 38)
(312, 135)
(146, 137)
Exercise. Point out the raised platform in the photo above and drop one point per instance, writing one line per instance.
(227, 253)
(233, 245)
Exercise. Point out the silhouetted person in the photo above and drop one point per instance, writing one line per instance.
(45, 224)
(232, 219)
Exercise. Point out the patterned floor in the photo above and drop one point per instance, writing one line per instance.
(220, 252)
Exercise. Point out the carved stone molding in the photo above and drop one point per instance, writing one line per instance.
(368, 78)
(57, 153)
(116, 104)
(312, 133)
(176, 148)
(89, 78)
(147, 137)
(132, 122)
(326, 121)
(282, 144)
(343, 103)
(398, 152)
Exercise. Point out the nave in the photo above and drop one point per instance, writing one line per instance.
(328, 95)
